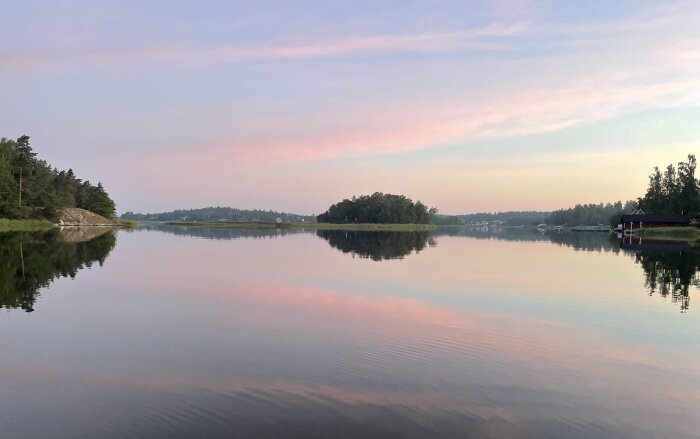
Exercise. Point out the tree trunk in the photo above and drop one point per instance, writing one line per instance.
(20, 188)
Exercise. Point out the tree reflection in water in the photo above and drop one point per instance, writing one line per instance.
(377, 245)
(670, 267)
(31, 261)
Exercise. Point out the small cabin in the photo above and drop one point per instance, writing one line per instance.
(634, 222)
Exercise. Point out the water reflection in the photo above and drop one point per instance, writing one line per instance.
(670, 267)
(248, 339)
(583, 241)
(31, 261)
(378, 245)
(218, 233)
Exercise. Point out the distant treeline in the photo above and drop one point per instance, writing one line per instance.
(581, 214)
(592, 214)
(378, 208)
(31, 188)
(512, 218)
(218, 214)
(676, 190)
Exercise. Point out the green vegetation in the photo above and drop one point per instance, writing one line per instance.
(671, 233)
(675, 191)
(7, 225)
(591, 214)
(31, 189)
(127, 224)
(314, 226)
(210, 214)
(378, 208)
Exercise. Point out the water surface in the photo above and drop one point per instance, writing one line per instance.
(190, 332)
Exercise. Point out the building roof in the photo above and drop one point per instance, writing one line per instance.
(657, 218)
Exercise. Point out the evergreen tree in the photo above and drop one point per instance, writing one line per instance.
(677, 191)
(378, 208)
(23, 164)
(30, 187)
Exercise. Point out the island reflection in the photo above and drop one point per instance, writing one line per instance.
(378, 245)
(31, 261)
(670, 268)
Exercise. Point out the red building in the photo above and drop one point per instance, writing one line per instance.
(634, 222)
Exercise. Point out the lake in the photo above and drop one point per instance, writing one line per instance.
(167, 332)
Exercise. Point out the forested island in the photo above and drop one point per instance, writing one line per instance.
(378, 208)
(30, 188)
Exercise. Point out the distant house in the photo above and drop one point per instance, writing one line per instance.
(639, 221)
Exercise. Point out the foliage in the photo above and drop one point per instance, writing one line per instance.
(218, 214)
(591, 214)
(670, 233)
(30, 188)
(127, 224)
(378, 208)
(8, 225)
(676, 190)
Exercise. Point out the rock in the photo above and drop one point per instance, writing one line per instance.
(81, 234)
(72, 216)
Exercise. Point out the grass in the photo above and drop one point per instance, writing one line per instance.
(8, 225)
(126, 224)
(314, 226)
(676, 233)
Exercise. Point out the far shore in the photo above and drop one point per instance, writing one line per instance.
(315, 226)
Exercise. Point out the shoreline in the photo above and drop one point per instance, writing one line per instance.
(24, 225)
(671, 233)
(12, 225)
(314, 226)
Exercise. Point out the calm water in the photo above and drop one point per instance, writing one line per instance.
(183, 333)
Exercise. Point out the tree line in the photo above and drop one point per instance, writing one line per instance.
(218, 214)
(31, 188)
(592, 214)
(676, 190)
(510, 218)
(378, 208)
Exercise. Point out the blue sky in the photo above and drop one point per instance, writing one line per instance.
(468, 106)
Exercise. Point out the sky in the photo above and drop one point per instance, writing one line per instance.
(468, 106)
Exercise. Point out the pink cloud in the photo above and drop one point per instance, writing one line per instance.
(411, 42)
